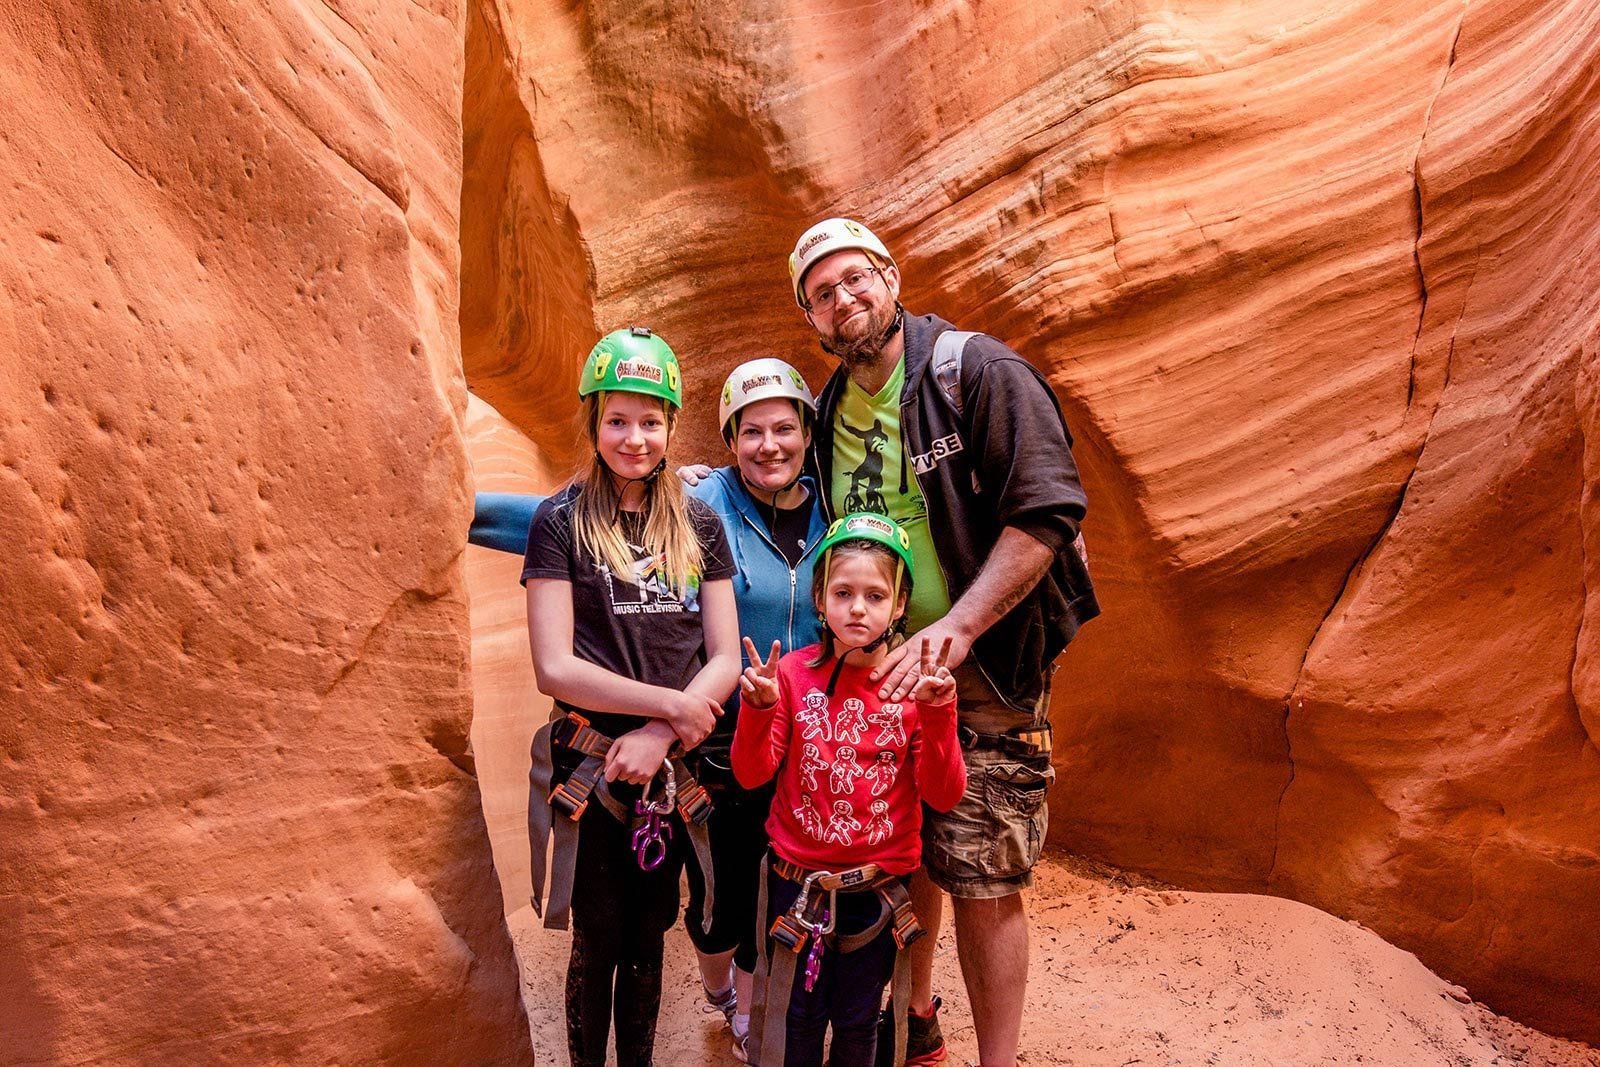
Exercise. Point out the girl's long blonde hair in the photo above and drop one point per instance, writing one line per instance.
(669, 535)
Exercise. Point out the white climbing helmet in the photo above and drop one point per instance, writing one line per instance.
(823, 240)
(762, 379)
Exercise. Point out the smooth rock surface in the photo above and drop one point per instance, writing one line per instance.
(1316, 286)
(238, 815)
(507, 705)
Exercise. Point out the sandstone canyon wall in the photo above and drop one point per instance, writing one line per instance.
(238, 817)
(1316, 286)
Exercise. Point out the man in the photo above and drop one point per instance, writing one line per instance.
(966, 448)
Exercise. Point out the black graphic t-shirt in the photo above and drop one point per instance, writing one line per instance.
(635, 625)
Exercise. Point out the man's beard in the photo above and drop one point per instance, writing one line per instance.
(866, 349)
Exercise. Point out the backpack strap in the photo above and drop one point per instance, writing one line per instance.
(948, 348)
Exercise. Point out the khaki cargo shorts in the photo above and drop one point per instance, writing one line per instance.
(987, 845)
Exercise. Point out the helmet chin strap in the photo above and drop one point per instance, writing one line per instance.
(648, 480)
(773, 505)
(870, 646)
(888, 332)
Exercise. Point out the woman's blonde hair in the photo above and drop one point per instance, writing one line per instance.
(669, 535)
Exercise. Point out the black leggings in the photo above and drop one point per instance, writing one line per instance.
(738, 830)
(619, 917)
(849, 988)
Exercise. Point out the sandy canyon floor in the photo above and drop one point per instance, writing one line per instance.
(1125, 973)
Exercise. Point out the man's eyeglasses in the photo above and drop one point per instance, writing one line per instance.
(856, 283)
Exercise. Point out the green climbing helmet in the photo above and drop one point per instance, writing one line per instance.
(868, 526)
(633, 361)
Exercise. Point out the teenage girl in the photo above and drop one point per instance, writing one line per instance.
(634, 632)
(852, 775)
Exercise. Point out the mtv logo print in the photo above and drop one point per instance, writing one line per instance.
(647, 590)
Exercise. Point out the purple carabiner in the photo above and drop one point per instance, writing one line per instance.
(650, 839)
(814, 960)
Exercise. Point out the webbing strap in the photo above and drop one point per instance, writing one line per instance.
(900, 1003)
(540, 772)
(542, 826)
(699, 834)
(760, 1010)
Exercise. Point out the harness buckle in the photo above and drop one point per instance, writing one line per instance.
(571, 797)
(694, 803)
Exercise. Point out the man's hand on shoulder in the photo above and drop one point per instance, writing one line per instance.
(900, 668)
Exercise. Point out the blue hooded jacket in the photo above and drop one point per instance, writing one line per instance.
(774, 602)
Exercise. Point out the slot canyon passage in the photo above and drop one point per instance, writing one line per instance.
(1315, 284)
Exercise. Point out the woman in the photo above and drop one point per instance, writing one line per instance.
(774, 523)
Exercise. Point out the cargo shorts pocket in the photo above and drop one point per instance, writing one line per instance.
(1015, 792)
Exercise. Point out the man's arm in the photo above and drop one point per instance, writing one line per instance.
(1015, 565)
(1024, 459)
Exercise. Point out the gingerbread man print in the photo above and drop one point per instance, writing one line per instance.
(811, 762)
(881, 773)
(814, 717)
(841, 826)
(879, 827)
(845, 770)
(889, 720)
(810, 818)
(852, 722)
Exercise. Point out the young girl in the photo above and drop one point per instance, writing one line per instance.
(628, 590)
(852, 775)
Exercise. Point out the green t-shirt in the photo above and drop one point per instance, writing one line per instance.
(869, 464)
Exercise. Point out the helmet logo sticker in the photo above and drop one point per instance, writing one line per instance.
(758, 381)
(632, 368)
(811, 242)
(873, 523)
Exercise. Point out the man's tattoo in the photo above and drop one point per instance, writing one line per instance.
(1023, 587)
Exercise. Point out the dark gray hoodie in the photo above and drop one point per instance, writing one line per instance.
(1004, 460)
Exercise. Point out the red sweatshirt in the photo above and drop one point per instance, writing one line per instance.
(853, 773)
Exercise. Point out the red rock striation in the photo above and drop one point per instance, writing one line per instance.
(1316, 285)
(238, 813)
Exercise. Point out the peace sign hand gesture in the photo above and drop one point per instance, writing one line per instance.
(935, 684)
(759, 682)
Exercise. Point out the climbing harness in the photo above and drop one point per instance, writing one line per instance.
(648, 819)
(811, 927)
